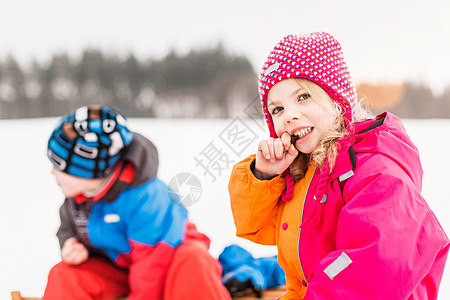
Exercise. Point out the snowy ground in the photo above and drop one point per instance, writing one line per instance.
(30, 197)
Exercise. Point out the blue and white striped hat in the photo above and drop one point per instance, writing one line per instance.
(88, 142)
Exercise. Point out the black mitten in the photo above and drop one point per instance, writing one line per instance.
(236, 287)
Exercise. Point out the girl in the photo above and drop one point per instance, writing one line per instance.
(338, 192)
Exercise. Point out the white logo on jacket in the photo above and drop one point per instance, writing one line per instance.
(111, 218)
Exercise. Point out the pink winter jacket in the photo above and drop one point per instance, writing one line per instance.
(378, 240)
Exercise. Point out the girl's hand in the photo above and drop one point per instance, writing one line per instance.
(274, 156)
(74, 252)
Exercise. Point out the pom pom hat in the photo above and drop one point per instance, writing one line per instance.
(317, 57)
(89, 142)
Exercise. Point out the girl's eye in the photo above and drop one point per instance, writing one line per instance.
(277, 110)
(303, 97)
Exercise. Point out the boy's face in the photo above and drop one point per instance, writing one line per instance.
(72, 186)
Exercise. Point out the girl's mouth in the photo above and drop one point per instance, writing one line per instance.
(299, 134)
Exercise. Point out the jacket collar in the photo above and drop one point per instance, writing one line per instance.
(120, 179)
(346, 160)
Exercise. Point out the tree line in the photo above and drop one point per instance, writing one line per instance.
(202, 83)
(205, 83)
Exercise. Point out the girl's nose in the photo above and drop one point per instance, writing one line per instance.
(291, 115)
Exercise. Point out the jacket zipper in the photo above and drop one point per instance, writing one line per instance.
(300, 232)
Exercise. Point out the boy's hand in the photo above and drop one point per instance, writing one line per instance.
(274, 156)
(74, 252)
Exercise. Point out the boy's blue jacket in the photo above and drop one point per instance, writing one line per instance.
(135, 223)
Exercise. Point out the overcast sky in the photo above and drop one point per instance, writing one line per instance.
(383, 41)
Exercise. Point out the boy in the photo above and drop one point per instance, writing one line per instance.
(120, 232)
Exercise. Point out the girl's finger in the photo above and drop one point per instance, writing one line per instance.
(270, 145)
(263, 147)
(286, 140)
(278, 149)
(291, 154)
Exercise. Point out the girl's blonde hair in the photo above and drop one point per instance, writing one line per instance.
(327, 145)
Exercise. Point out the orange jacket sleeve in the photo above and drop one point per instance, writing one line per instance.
(254, 203)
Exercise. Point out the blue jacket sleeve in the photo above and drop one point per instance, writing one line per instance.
(155, 226)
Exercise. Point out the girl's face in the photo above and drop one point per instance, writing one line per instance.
(298, 112)
(72, 186)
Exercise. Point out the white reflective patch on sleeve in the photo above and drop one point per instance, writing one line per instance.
(111, 218)
(346, 176)
(338, 265)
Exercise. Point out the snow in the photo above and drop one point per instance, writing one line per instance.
(30, 197)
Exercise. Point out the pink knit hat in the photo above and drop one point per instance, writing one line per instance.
(317, 57)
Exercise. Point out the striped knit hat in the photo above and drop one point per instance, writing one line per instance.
(89, 142)
(317, 57)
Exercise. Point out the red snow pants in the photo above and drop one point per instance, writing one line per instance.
(193, 275)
